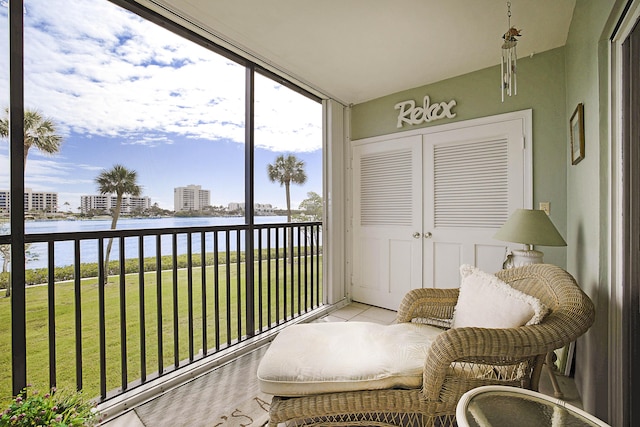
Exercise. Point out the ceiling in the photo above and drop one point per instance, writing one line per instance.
(357, 50)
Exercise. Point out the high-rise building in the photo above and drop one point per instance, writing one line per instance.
(33, 201)
(190, 198)
(106, 202)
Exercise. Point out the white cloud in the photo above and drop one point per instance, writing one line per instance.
(49, 174)
(98, 70)
(148, 140)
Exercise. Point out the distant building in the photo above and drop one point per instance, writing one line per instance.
(190, 198)
(106, 202)
(234, 206)
(258, 208)
(262, 209)
(5, 201)
(33, 201)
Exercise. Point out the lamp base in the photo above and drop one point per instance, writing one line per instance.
(519, 257)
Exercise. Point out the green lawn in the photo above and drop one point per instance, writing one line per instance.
(37, 322)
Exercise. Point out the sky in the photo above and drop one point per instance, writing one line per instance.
(122, 90)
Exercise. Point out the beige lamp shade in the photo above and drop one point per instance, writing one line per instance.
(530, 227)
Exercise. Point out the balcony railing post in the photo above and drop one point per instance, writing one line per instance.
(227, 238)
(78, 309)
(159, 310)
(123, 316)
(141, 309)
(249, 282)
(216, 289)
(102, 278)
(190, 295)
(51, 289)
(176, 317)
(299, 272)
(277, 278)
(203, 278)
(292, 269)
(239, 304)
(260, 319)
(269, 276)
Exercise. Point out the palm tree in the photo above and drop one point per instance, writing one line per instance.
(285, 170)
(119, 181)
(39, 132)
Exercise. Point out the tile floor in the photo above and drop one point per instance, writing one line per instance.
(351, 312)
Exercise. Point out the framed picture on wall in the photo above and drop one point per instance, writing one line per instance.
(576, 128)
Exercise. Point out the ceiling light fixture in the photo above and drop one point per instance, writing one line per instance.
(509, 82)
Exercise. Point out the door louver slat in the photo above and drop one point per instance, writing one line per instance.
(386, 188)
(471, 184)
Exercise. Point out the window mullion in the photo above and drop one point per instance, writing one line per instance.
(16, 140)
(249, 198)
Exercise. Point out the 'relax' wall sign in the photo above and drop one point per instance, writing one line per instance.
(414, 115)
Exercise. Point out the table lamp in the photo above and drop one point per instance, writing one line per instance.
(530, 227)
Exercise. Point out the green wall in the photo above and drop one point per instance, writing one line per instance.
(541, 87)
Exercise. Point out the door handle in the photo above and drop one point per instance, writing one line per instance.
(416, 235)
(427, 235)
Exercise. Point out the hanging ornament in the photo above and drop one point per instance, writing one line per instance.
(508, 64)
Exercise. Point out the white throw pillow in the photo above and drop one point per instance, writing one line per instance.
(487, 302)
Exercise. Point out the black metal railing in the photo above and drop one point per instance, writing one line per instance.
(167, 298)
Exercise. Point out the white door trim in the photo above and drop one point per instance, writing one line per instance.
(616, 211)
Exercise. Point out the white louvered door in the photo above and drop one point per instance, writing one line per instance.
(387, 217)
(425, 204)
(475, 180)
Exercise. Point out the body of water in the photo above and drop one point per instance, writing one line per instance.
(64, 253)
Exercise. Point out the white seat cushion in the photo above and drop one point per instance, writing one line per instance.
(319, 358)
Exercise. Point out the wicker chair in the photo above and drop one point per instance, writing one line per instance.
(459, 359)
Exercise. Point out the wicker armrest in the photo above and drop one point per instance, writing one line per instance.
(427, 305)
(480, 345)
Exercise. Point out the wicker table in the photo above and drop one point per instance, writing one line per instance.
(495, 406)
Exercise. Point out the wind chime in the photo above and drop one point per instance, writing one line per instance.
(509, 81)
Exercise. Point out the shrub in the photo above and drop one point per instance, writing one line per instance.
(38, 276)
(55, 408)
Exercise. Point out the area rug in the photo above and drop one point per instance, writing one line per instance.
(228, 396)
(253, 412)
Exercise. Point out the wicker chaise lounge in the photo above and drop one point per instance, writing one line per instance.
(458, 359)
